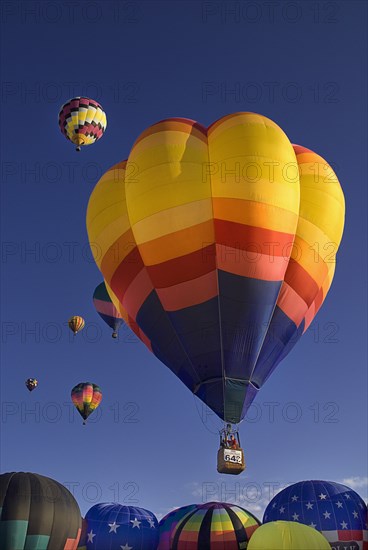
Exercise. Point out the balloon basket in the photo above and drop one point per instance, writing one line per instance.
(230, 461)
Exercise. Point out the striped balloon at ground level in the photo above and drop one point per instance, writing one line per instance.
(37, 512)
(214, 526)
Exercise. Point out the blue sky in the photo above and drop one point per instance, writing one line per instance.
(302, 64)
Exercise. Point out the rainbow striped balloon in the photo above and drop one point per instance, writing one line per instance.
(86, 398)
(219, 246)
(82, 121)
(214, 525)
(169, 522)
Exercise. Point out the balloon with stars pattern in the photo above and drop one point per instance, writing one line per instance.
(169, 522)
(335, 510)
(113, 526)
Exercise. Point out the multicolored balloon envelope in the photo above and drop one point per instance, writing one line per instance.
(76, 323)
(335, 510)
(82, 121)
(112, 526)
(287, 535)
(37, 512)
(169, 522)
(219, 245)
(215, 526)
(86, 398)
(106, 309)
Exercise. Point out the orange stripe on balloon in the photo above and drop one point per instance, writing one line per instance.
(189, 293)
(250, 264)
(256, 214)
(291, 304)
(176, 244)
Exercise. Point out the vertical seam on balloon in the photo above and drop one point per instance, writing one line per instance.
(218, 288)
(275, 304)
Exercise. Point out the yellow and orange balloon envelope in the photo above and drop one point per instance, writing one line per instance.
(76, 323)
(287, 535)
(219, 246)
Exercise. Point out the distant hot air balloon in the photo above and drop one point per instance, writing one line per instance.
(227, 239)
(31, 383)
(76, 324)
(86, 398)
(114, 526)
(82, 121)
(106, 309)
(37, 512)
(214, 525)
(287, 535)
(334, 509)
(169, 522)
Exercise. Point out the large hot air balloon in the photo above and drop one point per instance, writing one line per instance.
(286, 535)
(82, 121)
(86, 398)
(169, 522)
(37, 512)
(114, 526)
(31, 384)
(219, 245)
(334, 509)
(106, 309)
(214, 525)
(76, 323)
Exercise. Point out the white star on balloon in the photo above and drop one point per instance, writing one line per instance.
(344, 525)
(90, 536)
(339, 504)
(126, 547)
(151, 522)
(314, 525)
(135, 523)
(346, 495)
(282, 510)
(327, 514)
(295, 517)
(322, 496)
(274, 505)
(113, 527)
(309, 505)
(355, 514)
(294, 498)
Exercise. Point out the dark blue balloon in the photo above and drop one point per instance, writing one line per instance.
(112, 526)
(334, 509)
